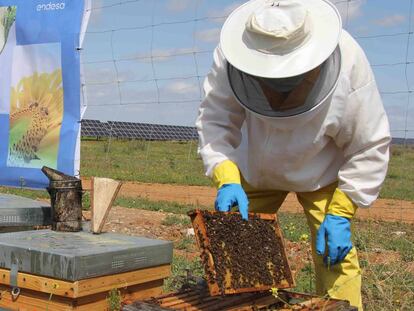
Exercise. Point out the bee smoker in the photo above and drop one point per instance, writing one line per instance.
(66, 200)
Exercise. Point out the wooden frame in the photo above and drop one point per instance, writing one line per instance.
(203, 243)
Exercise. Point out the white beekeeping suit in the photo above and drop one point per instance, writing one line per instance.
(291, 104)
(345, 138)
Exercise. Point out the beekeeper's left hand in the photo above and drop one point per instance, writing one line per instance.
(335, 233)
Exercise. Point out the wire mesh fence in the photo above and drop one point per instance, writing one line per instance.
(145, 61)
(161, 55)
(148, 67)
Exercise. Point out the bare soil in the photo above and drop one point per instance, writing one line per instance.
(380, 257)
(132, 221)
(382, 209)
(149, 224)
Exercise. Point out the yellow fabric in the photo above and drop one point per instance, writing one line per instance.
(226, 172)
(341, 205)
(341, 281)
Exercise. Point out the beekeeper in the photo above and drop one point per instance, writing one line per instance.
(291, 104)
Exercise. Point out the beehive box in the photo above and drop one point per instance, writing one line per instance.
(200, 300)
(17, 211)
(241, 256)
(57, 271)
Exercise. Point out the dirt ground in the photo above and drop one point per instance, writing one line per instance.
(382, 209)
(150, 224)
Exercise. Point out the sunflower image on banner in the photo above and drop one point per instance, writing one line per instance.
(40, 99)
(7, 18)
(36, 108)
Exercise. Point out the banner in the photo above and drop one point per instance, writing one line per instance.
(40, 95)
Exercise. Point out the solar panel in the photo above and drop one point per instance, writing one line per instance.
(94, 128)
(131, 130)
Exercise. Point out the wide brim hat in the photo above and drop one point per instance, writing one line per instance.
(280, 39)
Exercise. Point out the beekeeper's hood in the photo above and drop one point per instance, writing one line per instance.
(283, 56)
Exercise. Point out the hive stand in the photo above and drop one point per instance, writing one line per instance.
(200, 300)
(42, 293)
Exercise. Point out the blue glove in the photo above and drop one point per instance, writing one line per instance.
(230, 195)
(337, 231)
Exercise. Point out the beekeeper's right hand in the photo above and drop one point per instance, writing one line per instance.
(226, 177)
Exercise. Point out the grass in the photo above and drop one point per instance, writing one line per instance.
(171, 220)
(167, 207)
(178, 163)
(374, 236)
(305, 280)
(42, 195)
(400, 178)
(387, 285)
(293, 227)
(114, 300)
(145, 161)
(32, 194)
(181, 267)
(186, 243)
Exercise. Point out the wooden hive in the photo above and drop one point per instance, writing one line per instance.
(62, 271)
(45, 293)
(200, 300)
(241, 256)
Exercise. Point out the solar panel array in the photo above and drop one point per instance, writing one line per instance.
(144, 131)
(131, 130)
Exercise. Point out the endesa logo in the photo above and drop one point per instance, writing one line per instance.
(50, 6)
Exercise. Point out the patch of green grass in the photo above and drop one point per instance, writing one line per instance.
(294, 226)
(391, 236)
(186, 243)
(305, 280)
(178, 163)
(167, 207)
(171, 220)
(31, 194)
(114, 300)
(181, 266)
(387, 287)
(400, 178)
(86, 201)
(41, 195)
(145, 161)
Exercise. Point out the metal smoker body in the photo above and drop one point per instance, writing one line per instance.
(66, 200)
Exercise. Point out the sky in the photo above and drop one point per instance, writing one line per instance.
(145, 60)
